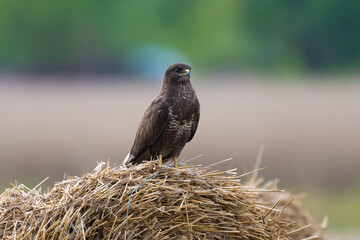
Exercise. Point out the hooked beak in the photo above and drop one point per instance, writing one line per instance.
(187, 73)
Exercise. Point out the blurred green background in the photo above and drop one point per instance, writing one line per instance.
(74, 82)
(282, 36)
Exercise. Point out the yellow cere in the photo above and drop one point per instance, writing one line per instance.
(186, 71)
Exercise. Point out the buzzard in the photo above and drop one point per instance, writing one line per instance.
(169, 122)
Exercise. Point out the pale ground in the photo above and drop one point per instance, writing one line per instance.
(311, 131)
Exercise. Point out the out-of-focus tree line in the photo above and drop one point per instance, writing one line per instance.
(231, 35)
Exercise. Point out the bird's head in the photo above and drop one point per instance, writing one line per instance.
(177, 73)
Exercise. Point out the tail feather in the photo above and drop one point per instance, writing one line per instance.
(128, 159)
(133, 158)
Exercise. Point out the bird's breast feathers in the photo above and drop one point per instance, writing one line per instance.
(178, 124)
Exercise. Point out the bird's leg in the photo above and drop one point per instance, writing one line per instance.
(175, 162)
(160, 159)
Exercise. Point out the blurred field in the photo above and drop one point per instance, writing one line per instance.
(310, 130)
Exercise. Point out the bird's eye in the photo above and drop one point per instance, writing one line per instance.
(177, 70)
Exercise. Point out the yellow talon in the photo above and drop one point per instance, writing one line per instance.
(160, 159)
(175, 162)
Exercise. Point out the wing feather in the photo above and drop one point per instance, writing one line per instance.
(195, 120)
(150, 128)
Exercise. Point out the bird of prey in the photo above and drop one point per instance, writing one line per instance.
(169, 122)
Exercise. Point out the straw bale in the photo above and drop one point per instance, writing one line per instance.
(288, 208)
(146, 201)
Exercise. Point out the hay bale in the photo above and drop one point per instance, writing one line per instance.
(147, 201)
(288, 208)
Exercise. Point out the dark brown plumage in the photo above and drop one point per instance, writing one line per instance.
(170, 121)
